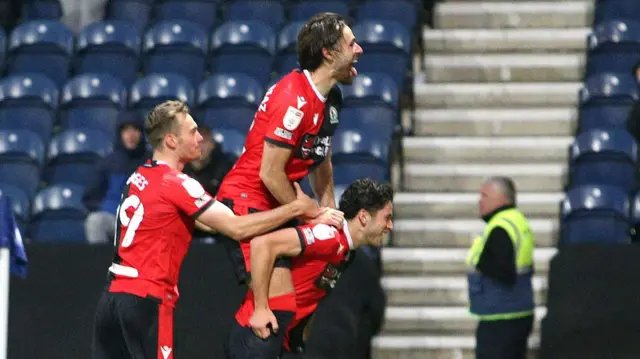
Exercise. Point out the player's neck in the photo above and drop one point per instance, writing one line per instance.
(168, 159)
(323, 80)
(355, 232)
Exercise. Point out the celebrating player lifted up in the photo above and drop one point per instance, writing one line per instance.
(155, 220)
(322, 253)
(291, 137)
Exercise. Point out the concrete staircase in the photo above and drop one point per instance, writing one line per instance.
(497, 97)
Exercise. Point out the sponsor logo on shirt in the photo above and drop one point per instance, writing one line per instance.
(283, 133)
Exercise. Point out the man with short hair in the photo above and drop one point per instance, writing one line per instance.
(501, 270)
(159, 208)
(289, 139)
(321, 253)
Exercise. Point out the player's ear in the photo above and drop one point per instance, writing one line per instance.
(170, 140)
(327, 54)
(363, 216)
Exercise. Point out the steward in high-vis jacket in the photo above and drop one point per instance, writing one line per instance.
(500, 275)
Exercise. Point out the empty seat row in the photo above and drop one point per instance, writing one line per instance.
(607, 10)
(182, 47)
(223, 101)
(208, 13)
(605, 101)
(613, 46)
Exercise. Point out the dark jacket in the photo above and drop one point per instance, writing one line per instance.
(110, 176)
(210, 176)
(498, 260)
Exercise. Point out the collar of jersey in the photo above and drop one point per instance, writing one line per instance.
(313, 86)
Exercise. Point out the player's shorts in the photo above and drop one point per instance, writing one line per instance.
(244, 344)
(128, 326)
(239, 252)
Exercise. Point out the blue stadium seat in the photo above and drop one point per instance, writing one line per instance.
(155, 89)
(401, 11)
(352, 145)
(178, 47)
(304, 10)
(110, 47)
(229, 101)
(246, 47)
(28, 102)
(73, 155)
(347, 172)
(20, 203)
(201, 12)
(41, 10)
(41, 46)
(92, 101)
(21, 158)
(387, 48)
(615, 10)
(371, 89)
(286, 56)
(3, 48)
(269, 12)
(595, 214)
(605, 100)
(368, 120)
(58, 215)
(600, 157)
(137, 12)
(337, 190)
(613, 46)
(230, 140)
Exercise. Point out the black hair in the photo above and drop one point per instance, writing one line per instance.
(365, 194)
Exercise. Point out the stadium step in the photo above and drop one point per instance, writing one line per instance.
(520, 14)
(464, 41)
(477, 149)
(439, 232)
(495, 94)
(437, 320)
(432, 347)
(546, 177)
(432, 261)
(504, 67)
(547, 121)
(440, 290)
(432, 205)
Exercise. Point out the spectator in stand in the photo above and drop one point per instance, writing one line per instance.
(210, 169)
(102, 195)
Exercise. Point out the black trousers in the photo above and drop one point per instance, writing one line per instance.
(503, 339)
(244, 344)
(130, 327)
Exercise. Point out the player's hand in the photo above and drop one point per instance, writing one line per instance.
(260, 321)
(330, 216)
(309, 206)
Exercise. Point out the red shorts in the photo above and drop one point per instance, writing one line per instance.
(240, 252)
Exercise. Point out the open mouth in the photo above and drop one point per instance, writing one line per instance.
(354, 71)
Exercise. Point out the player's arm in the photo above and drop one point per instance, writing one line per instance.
(321, 180)
(272, 171)
(220, 218)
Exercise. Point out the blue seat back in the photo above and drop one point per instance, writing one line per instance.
(352, 145)
(201, 12)
(21, 146)
(605, 158)
(287, 57)
(3, 47)
(154, 89)
(230, 90)
(42, 10)
(401, 11)
(609, 88)
(603, 117)
(269, 12)
(176, 46)
(595, 214)
(348, 172)
(41, 46)
(28, 102)
(86, 146)
(92, 101)
(371, 89)
(137, 12)
(304, 10)
(370, 119)
(232, 141)
(19, 200)
(110, 47)
(615, 10)
(58, 214)
(613, 46)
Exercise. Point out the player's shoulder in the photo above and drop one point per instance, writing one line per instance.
(316, 233)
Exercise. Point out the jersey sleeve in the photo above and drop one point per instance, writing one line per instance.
(286, 120)
(188, 195)
(321, 241)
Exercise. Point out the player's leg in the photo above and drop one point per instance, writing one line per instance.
(147, 327)
(108, 339)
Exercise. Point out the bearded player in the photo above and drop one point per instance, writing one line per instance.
(322, 253)
(289, 139)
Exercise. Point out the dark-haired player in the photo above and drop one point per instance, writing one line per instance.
(321, 253)
(290, 138)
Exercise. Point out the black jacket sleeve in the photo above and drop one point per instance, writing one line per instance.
(97, 187)
(498, 260)
(633, 121)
